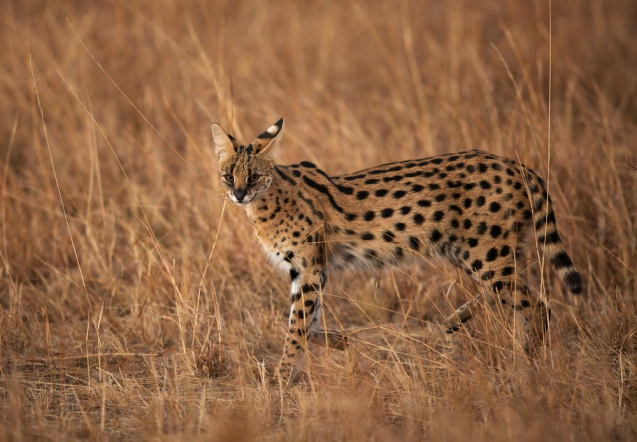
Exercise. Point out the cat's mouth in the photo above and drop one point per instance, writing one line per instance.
(244, 202)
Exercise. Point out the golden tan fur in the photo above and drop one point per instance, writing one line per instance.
(473, 209)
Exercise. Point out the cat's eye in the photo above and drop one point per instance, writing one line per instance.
(229, 178)
(253, 178)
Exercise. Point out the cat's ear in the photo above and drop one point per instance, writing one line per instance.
(266, 144)
(225, 144)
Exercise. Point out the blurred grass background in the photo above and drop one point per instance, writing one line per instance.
(143, 309)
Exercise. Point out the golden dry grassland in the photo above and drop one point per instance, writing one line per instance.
(134, 301)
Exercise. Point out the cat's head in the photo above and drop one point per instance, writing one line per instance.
(246, 171)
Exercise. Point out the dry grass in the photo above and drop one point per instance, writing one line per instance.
(133, 302)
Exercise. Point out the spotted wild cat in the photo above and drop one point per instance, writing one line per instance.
(476, 210)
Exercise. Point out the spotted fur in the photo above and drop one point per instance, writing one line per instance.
(473, 209)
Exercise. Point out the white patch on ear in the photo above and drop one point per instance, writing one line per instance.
(270, 148)
(223, 143)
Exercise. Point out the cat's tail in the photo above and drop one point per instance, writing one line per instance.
(548, 239)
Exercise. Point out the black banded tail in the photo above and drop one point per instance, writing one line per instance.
(548, 239)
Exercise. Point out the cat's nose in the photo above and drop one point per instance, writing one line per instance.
(239, 194)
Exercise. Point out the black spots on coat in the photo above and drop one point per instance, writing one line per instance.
(470, 168)
(400, 227)
(294, 274)
(482, 167)
(506, 271)
(451, 168)
(296, 234)
(440, 197)
(289, 256)
(371, 253)
(372, 181)
(435, 235)
(399, 252)
(504, 251)
(537, 204)
(300, 314)
(389, 179)
(454, 223)
(476, 265)
(383, 171)
(424, 203)
(418, 218)
(413, 174)
(404, 210)
(495, 231)
(355, 177)
(487, 275)
(469, 186)
(388, 236)
(436, 160)
(414, 243)
(350, 216)
(349, 232)
(417, 188)
(492, 254)
(485, 184)
(473, 242)
(399, 194)
(527, 214)
(507, 196)
(496, 166)
(466, 254)
(497, 179)
(480, 201)
(467, 203)
(309, 303)
(308, 288)
(467, 223)
(438, 215)
(308, 165)
(296, 173)
(433, 186)
(369, 215)
(453, 158)
(454, 208)
(386, 213)
(381, 192)
(510, 171)
(482, 227)
(517, 185)
(442, 175)
(367, 236)
(363, 194)
(456, 195)
(561, 260)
